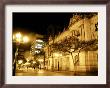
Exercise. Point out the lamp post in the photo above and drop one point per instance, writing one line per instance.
(18, 38)
(17, 41)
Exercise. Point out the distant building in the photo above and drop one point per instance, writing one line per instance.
(37, 44)
(82, 44)
(36, 50)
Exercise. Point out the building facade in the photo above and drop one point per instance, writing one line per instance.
(76, 48)
(36, 51)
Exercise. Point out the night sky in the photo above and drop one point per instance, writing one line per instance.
(41, 23)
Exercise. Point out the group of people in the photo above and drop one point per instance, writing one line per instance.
(34, 67)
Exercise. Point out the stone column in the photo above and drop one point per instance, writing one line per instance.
(87, 29)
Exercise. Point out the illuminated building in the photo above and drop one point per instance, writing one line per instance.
(36, 50)
(76, 48)
(37, 44)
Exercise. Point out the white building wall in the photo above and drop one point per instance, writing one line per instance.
(49, 64)
(82, 61)
(86, 28)
(93, 60)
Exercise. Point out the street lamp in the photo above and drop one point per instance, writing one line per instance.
(18, 38)
(25, 39)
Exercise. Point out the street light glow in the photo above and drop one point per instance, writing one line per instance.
(18, 37)
(25, 39)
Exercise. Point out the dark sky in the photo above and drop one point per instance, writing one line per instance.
(41, 23)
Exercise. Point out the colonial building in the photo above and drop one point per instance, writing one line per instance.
(76, 48)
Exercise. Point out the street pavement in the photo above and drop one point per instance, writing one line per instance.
(42, 72)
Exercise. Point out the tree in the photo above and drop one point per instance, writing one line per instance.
(72, 44)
